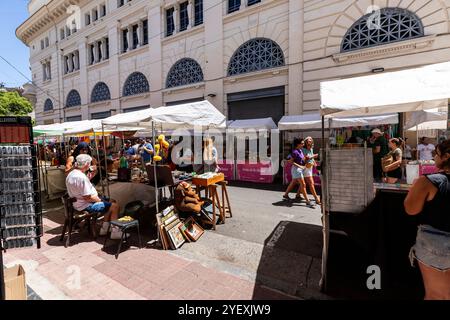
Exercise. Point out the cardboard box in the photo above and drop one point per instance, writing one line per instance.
(15, 285)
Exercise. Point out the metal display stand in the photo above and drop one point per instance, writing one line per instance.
(20, 199)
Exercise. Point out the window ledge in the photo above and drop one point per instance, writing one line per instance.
(48, 112)
(257, 74)
(72, 109)
(133, 52)
(100, 103)
(47, 81)
(184, 33)
(72, 74)
(197, 85)
(391, 49)
(98, 64)
(137, 96)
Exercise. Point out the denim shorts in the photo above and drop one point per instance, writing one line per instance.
(296, 172)
(99, 207)
(308, 172)
(432, 248)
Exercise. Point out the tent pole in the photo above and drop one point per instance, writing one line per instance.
(45, 166)
(154, 171)
(106, 162)
(325, 217)
(99, 162)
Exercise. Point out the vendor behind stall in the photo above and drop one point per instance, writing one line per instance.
(394, 170)
(146, 151)
(83, 148)
(425, 150)
(379, 147)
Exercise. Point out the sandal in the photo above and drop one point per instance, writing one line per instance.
(285, 197)
(309, 204)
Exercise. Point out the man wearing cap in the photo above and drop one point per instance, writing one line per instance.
(380, 148)
(79, 187)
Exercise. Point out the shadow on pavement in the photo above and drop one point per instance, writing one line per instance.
(291, 260)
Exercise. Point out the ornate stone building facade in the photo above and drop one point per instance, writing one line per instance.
(250, 58)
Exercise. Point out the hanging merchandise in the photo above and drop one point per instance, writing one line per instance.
(161, 146)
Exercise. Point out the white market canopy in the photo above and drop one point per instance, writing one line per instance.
(402, 91)
(427, 119)
(314, 121)
(58, 129)
(430, 125)
(202, 114)
(257, 124)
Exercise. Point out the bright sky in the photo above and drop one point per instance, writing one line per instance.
(12, 14)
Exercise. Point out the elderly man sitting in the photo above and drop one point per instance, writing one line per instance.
(79, 187)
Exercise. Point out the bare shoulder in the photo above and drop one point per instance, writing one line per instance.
(422, 183)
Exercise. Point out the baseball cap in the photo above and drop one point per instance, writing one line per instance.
(377, 131)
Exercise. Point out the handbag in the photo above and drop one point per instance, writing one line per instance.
(386, 161)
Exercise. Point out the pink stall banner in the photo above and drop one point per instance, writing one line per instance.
(227, 168)
(287, 176)
(427, 169)
(255, 172)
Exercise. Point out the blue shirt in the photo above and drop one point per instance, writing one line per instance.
(130, 151)
(145, 155)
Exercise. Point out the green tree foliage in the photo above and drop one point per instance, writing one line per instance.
(12, 104)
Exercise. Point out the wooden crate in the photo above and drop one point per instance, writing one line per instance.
(207, 182)
(348, 179)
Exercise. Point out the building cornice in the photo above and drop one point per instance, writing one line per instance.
(284, 70)
(384, 51)
(42, 18)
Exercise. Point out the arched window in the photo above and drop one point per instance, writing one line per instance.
(254, 55)
(185, 71)
(135, 84)
(386, 26)
(100, 93)
(48, 105)
(73, 99)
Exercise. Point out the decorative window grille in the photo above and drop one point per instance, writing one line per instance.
(135, 84)
(48, 105)
(100, 93)
(73, 99)
(378, 28)
(254, 55)
(185, 71)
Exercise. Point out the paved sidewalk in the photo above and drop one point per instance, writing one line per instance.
(83, 271)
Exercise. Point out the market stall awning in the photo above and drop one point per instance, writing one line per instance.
(257, 124)
(94, 127)
(430, 125)
(314, 121)
(402, 91)
(187, 115)
(422, 117)
(57, 129)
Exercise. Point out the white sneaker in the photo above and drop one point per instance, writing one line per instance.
(116, 234)
(105, 228)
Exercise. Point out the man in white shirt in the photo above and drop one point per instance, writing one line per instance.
(425, 150)
(79, 187)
